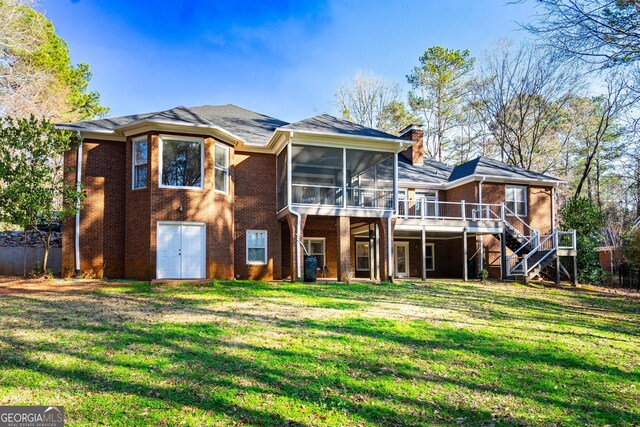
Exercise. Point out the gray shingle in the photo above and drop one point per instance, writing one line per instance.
(432, 172)
(328, 124)
(254, 128)
(491, 167)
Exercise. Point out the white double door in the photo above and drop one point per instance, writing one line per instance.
(181, 251)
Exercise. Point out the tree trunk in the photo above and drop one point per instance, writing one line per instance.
(45, 258)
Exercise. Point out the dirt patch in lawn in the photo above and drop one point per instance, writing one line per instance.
(12, 285)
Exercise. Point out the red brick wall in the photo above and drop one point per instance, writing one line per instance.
(102, 222)
(213, 208)
(318, 226)
(138, 263)
(255, 209)
(467, 192)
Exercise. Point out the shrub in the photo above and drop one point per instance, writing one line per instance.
(483, 275)
(578, 214)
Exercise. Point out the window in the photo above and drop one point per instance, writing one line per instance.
(316, 248)
(362, 256)
(428, 199)
(181, 162)
(256, 247)
(402, 202)
(516, 196)
(140, 163)
(221, 168)
(429, 257)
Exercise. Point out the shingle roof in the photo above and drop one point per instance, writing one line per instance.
(254, 128)
(431, 172)
(495, 168)
(325, 123)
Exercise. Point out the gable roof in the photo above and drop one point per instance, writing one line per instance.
(254, 128)
(484, 166)
(326, 124)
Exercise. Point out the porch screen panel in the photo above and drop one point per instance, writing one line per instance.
(281, 166)
(316, 175)
(369, 179)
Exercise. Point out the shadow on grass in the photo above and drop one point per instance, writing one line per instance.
(202, 358)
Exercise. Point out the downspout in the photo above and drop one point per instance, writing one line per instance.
(394, 213)
(294, 212)
(481, 238)
(78, 188)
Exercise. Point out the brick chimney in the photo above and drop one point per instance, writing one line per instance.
(415, 153)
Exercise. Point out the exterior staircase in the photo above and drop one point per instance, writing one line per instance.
(533, 254)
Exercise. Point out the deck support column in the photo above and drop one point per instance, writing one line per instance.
(503, 255)
(344, 248)
(372, 248)
(557, 268)
(295, 242)
(575, 270)
(465, 272)
(422, 250)
(386, 226)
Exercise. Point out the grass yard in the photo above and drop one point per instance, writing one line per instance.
(249, 353)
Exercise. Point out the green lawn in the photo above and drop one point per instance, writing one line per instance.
(247, 353)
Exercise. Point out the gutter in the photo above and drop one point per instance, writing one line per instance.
(78, 188)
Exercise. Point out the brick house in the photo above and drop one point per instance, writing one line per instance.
(224, 192)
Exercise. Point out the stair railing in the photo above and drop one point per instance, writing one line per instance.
(549, 244)
(517, 268)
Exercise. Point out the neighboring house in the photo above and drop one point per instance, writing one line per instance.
(224, 192)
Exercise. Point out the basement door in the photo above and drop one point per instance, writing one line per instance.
(181, 253)
(401, 258)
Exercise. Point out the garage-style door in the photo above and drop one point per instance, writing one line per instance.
(181, 253)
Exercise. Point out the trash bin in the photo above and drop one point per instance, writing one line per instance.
(310, 268)
(471, 269)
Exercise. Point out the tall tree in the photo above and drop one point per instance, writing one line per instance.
(522, 94)
(602, 32)
(372, 101)
(36, 73)
(595, 133)
(32, 184)
(439, 85)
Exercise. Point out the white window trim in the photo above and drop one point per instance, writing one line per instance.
(433, 256)
(324, 247)
(226, 182)
(368, 256)
(133, 162)
(266, 247)
(180, 138)
(526, 201)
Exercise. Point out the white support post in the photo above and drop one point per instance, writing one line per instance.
(574, 245)
(344, 177)
(502, 215)
(395, 182)
(465, 272)
(464, 211)
(423, 251)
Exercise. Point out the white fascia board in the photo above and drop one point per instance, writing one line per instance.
(166, 124)
(358, 141)
(501, 180)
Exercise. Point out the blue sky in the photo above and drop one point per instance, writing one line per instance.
(281, 58)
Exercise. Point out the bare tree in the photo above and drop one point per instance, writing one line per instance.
(602, 32)
(522, 93)
(366, 98)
